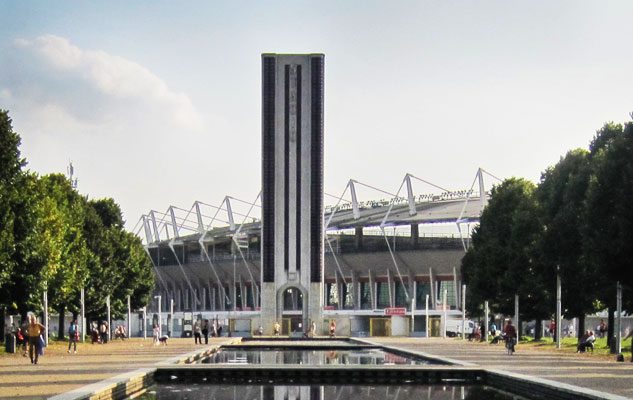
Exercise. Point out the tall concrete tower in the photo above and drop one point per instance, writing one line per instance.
(292, 189)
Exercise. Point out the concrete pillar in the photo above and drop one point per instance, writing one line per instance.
(411, 286)
(415, 235)
(337, 276)
(372, 290)
(358, 235)
(432, 288)
(392, 288)
(355, 291)
(243, 294)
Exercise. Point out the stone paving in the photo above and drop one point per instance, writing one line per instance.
(60, 372)
(585, 370)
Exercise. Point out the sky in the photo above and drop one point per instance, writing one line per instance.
(158, 103)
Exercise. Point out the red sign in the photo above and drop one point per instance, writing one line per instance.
(329, 308)
(395, 311)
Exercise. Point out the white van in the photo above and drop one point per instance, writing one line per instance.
(454, 327)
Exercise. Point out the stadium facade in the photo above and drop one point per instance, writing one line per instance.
(368, 264)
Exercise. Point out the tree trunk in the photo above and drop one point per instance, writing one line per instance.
(581, 326)
(4, 315)
(610, 329)
(538, 329)
(62, 320)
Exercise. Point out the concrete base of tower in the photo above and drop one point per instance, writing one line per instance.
(315, 306)
(269, 307)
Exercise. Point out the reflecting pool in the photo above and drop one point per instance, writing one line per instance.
(355, 392)
(311, 356)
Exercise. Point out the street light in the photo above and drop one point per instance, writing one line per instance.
(558, 307)
(159, 316)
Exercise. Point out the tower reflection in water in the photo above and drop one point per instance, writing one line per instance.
(285, 356)
(355, 392)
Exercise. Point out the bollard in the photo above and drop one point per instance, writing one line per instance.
(613, 346)
(9, 343)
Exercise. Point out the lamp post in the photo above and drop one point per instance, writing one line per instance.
(171, 317)
(129, 315)
(486, 318)
(558, 307)
(159, 297)
(618, 323)
(426, 318)
(445, 312)
(463, 312)
(83, 316)
(109, 316)
(144, 309)
(45, 299)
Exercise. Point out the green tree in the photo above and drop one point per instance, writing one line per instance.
(21, 292)
(18, 268)
(609, 232)
(610, 215)
(11, 164)
(61, 224)
(501, 262)
(52, 238)
(561, 196)
(119, 266)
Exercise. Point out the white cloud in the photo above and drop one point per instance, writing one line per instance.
(123, 126)
(115, 79)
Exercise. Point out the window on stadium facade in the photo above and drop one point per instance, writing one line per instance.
(422, 289)
(401, 295)
(382, 295)
(365, 296)
(449, 286)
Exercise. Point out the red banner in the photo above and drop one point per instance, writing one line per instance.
(395, 311)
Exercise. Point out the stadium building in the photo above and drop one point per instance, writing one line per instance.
(366, 261)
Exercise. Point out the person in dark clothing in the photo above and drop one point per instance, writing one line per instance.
(205, 331)
(73, 336)
(586, 342)
(510, 334)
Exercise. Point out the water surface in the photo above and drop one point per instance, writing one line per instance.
(311, 356)
(355, 392)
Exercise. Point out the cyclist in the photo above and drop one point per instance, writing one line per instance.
(510, 334)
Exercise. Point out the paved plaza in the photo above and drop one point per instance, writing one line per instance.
(586, 370)
(60, 372)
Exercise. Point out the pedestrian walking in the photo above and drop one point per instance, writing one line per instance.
(510, 334)
(73, 336)
(205, 331)
(103, 330)
(196, 332)
(35, 329)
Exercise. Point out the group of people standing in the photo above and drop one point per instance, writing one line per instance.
(99, 332)
(311, 332)
(203, 328)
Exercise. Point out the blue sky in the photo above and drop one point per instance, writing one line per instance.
(158, 103)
